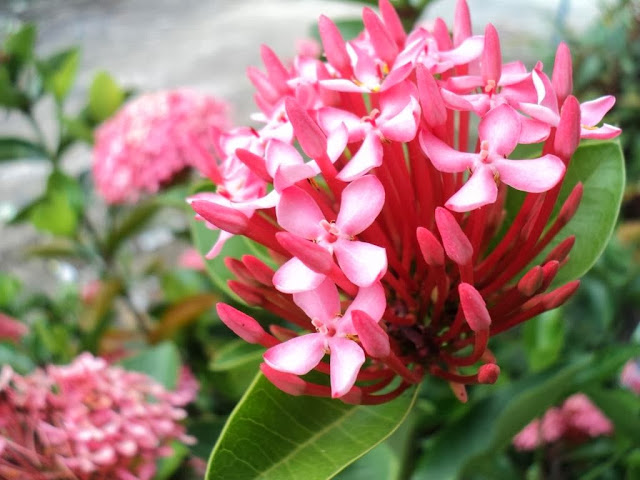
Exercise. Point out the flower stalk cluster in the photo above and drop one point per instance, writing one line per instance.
(381, 203)
(88, 420)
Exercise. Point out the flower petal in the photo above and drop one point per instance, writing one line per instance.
(294, 277)
(360, 205)
(362, 263)
(592, 112)
(535, 175)
(346, 359)
(279, 153)
(298, 355)
(369, 156)
(501, 128)
(298, 213)
(479, 190)
(321, 303)
(443, 157)
(371, 300)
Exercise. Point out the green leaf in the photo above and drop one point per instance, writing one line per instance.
(236, 353)
(20, 43)
(600, 167)
(54, 214)
(236, 246)
(134, 221)
(9, 289)
(271, 434)
(161, 362)
(491, 423)
(167, 466)
(544, 339)
(19, 149)
(379, 464)
(105, 96)
(59, 72)
(59, 182)
(10, 96)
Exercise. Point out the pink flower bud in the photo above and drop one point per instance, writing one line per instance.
(562, 76)
(455, 242)
(225, 218)
(373, 338)
(474, 308)
(430, 247)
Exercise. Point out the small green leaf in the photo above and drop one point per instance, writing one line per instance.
(59, 72)
(10, 96)
(20, 43)
(105, 96)
(19, 149)
(54, 214)
(379, 464)
(161, 362)
(273, 435)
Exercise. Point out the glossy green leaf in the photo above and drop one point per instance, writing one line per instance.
(19, 149)
(273, 435)
(59, 72)
(105, 96)
(600, 168)
(161, 362)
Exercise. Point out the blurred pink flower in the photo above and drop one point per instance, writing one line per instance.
(89, 291)
(630, 376)
(86, 420)
(151, 139)
(11, 329)
(192, 260)
(576, 421)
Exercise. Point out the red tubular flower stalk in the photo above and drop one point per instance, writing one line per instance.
(388, 243)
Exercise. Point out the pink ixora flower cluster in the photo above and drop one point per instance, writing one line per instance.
(382, 209)
(575, 421)
(87, 420)
(150, 140)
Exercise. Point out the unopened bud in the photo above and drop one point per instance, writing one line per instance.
(380, 39)
(474, 308)
(260, 270)
(455, 242)
(571, 205)
(531, 282)
(568, 133)
(254, 162)
(562, 76)
(491, 56)
(311, 254)
(430, 247)
(287, 382)
(392, 22)
(560, 295)
(561, 250)
(371, 335)
(488, 373)
(225, 218)
(243, 325)
(247, 293)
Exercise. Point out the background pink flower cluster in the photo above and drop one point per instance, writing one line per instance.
(88, 420)
(150, 140)
(577, 420)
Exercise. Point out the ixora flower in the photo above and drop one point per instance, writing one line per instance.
(575, 421)
(386, 244)
(151, 139)
(88, 420)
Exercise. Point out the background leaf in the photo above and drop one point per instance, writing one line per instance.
(161, 362)
(272, 435)
(105, 96)
(59, 72)
(19, 149)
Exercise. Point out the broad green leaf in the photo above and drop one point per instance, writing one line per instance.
(10, 96)
(55, 214)
(236, 353)
(161, 362)
(59, 72)
(273, 435)
(491, 423)
(19, 149)
(105, 96)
